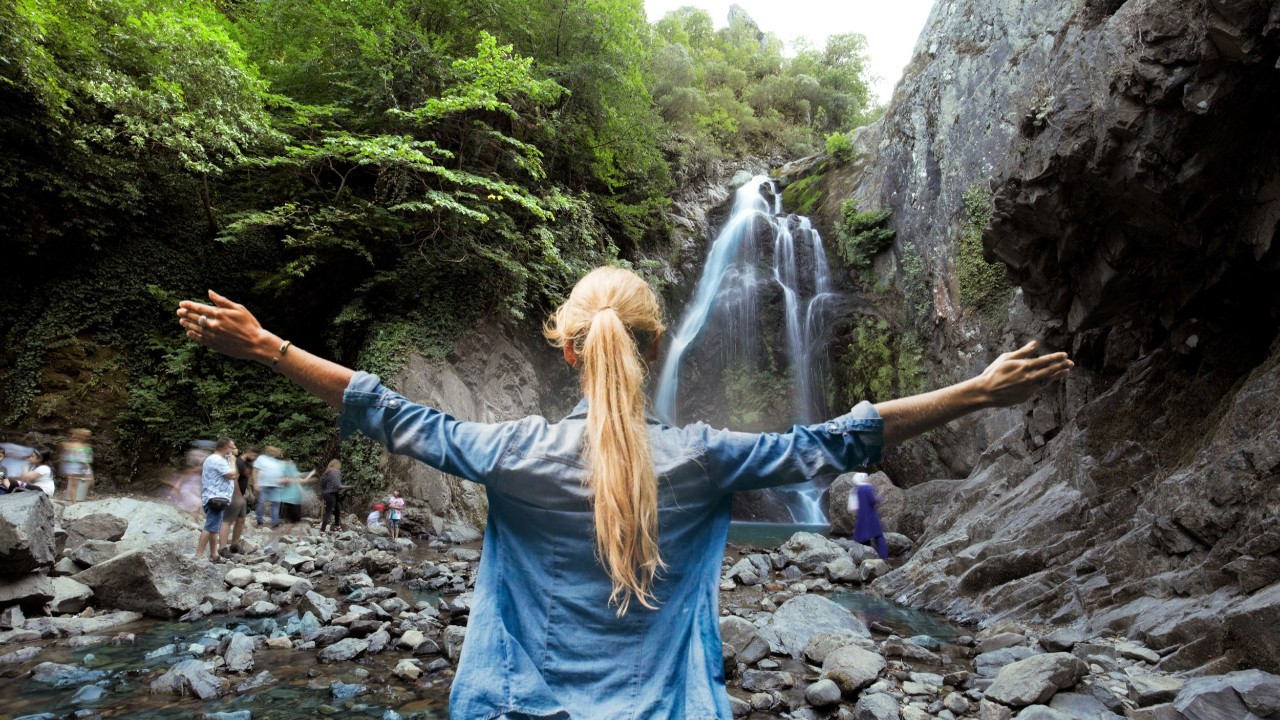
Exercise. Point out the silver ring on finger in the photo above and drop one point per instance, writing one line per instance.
(202, 320)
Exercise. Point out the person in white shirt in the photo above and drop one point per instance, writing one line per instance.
(40, 475)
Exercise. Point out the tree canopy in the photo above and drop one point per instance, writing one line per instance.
(374, 175)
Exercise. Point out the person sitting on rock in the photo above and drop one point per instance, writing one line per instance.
(597, 589)
(7, 484)
(375, 517)
(40, 475)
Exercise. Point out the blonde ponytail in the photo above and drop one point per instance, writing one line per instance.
(608, 316)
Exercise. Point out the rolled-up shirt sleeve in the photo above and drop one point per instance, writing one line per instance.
(752, 461)
(469, 450)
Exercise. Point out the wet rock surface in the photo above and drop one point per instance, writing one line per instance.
(349, 636)
(1141, 241)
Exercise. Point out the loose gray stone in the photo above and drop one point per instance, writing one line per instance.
(823, 644)
(343, 650)
(1000, 642)
(1042, 712)
(453, 637)
(190, 677)
(238, 577)
(262, 608)
(800, 618)
(1154, 689)
(956, 703)
(1237, 695)
(239, 654)
(1035, 679)
(809, 551)
(747, 644)
(17, 657)
(152, 580)
(880, 706)
(822, 693)
(852, 668)
(766, 680)
(94, 552)
(1062, 640)
(1079, 705)
(31, 591)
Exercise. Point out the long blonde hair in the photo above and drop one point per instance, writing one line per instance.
(610, 319)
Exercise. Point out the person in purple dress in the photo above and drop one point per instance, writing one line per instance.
(866, 523)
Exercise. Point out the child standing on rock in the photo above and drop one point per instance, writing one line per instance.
(599, 580)
(396, 503)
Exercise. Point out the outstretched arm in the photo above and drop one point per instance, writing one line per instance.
(1011, 379)
(232, 330)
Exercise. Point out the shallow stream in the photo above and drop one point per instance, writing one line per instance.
(112, 679)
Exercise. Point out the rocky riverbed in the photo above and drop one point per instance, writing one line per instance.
(107, 614)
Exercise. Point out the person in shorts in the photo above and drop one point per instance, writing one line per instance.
(396, 503)
(217, 478)
(233, 518)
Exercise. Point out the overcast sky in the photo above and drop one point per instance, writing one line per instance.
(891, 28)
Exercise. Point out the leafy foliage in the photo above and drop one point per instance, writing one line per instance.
(840, 147)
(861, 236)
(372, 177)
(983, 285)
(878, 363)
(732, 89)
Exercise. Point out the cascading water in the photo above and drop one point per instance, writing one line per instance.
(729, 291)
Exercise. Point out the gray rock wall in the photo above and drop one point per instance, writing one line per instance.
(1131, 151)
(495, 373)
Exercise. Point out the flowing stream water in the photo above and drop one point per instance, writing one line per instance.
(726, 300)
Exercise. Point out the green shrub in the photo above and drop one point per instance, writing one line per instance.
(860, 236)
(879, 362)
(840, 147)
(984, 286)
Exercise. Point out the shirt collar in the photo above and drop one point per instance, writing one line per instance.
(580, 411)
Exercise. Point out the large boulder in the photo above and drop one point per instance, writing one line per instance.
(1243, 694)
(810, 551)
(97, 526)
(31, 592)
(890, 507)
(26, 532)
(69, 595)
(490, 376)
(94, 552)
(145, 521)
(1034, 681)
(800, 618)
(154, 581)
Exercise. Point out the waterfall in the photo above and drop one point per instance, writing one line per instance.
(728, 292)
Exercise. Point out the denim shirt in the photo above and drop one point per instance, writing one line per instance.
(542, 640)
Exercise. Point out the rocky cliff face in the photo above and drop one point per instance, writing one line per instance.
(1130, 153)
(496, 372)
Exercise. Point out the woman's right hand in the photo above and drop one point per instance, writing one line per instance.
(1015, 376)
